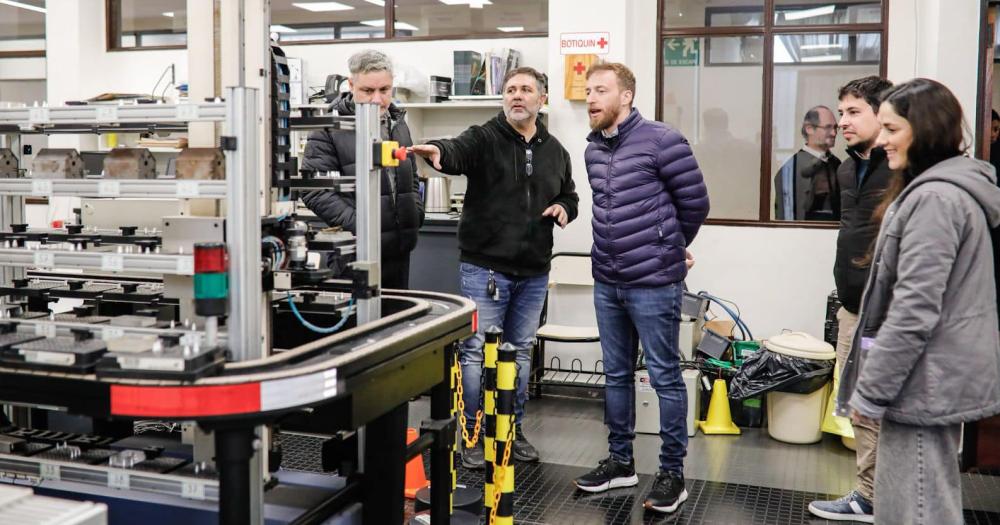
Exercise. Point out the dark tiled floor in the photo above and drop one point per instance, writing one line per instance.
(545, 495)
(746, 480)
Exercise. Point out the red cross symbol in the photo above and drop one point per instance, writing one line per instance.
(579, 68)
(602, 42)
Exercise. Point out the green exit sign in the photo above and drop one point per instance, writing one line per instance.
(681, 52)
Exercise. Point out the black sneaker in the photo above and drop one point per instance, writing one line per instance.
(609, 474)
(668, 492)
(524, 451)
(473, 457)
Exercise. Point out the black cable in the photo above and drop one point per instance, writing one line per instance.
(153, 92)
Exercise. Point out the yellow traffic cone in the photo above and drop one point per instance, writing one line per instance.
(719, 421)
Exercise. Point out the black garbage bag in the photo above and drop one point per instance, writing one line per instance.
(767, 371)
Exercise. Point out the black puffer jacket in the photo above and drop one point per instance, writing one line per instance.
(857, 230)
(402, 209)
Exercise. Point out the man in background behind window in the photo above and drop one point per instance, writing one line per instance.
(805, 188)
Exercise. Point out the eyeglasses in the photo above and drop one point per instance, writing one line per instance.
(830, 127)
(527, 168)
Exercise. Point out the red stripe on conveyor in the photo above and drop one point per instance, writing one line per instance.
(185, 401)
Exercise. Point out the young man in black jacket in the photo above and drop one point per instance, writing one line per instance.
(863, 178)
(402, 209)
(520, 186)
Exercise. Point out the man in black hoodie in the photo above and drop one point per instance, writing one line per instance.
(520, 186)
(402, 208)
(863, 178)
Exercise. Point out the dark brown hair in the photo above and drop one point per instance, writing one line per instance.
(870, 89)
(935, 116)
(626, 79)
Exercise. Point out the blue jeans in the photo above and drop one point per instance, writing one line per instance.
(625, 317)
(517, 312)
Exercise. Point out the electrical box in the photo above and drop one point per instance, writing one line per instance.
(714, 345)
(693, 307)
(689, 338)
(647, 404)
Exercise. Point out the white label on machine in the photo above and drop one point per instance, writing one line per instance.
(48, 358)
(185, 266)
(109, 188)
(192, 489)
(112, 332)
(187, 189)
(38, 115)
(49, 471)
(118, 479)
(107, 113)
(187, 112)
(44, 259)
(151, 363)
(45, 330)
(644, 383)
(41, 188)
(112, 263)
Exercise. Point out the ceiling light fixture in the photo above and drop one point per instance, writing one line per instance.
(169, 14)
(380, 3)
(475, 4)
(810, 13)
(23, 5)
(398, 25)
(283, 29)
(821, 46)
(511, 29)
(322, 7)
(823, 58)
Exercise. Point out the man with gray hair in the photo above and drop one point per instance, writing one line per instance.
(805, 188)
(520, 187)
(402, 208)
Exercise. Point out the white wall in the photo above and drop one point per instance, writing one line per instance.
(779, 277)
(937, 40)
(22, 69)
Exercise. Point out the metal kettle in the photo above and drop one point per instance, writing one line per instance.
(437, 195)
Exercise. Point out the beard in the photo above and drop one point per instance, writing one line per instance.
(607, 118)
(525, 115)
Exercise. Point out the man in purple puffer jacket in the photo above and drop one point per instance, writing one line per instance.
(649, 202)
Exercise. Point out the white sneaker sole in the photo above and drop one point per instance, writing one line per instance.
(681, 498)
(833, 516)
(613, 484)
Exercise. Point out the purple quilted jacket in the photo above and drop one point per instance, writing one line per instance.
(649, 202)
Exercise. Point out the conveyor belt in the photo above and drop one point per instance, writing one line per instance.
(311, 374)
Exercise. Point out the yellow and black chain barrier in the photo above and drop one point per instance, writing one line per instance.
(456, 400)
(493, 335)
(502, 508)
(460, 403)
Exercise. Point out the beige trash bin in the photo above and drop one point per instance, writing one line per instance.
(798, 418)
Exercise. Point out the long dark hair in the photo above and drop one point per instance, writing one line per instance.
(935, 117)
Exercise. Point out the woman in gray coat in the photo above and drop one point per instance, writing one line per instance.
(926, 355)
